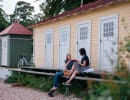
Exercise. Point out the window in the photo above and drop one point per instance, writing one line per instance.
(49, 38)
(64, 36)
(83, 33)
(108, 29)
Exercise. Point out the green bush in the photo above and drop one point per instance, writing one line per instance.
(44, 83)
(97, 91)
(36, 82)
(112, 90)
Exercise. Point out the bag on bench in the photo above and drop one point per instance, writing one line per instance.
(89, 70)
(66, 72)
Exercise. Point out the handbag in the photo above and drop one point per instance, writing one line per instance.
(66, 72)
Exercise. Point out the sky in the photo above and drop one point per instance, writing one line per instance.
(9, 5)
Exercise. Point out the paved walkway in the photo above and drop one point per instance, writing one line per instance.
(4, 72)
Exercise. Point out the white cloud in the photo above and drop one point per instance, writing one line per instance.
(9, 5)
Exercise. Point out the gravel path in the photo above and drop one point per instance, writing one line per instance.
(7, 92)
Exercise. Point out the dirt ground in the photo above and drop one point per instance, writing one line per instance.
(7, 92)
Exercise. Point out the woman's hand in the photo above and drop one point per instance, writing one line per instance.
(84, 63)
(65, 69)
(69, 61)
(78, 62)
(67, 64)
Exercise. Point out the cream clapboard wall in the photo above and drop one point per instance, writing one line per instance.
(122, 9)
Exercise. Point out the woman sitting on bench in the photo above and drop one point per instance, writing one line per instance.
(68, 66)
(78, 67)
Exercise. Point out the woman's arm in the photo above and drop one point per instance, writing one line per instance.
(66, 64)
(84, 63)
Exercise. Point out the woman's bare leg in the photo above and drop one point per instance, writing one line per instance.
(73, 75)
(72, 70)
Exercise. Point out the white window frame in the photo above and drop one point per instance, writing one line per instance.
(50, 29)
(59, 28)
(99, 35)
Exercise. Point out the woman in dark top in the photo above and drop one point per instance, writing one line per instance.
(79, 66)
(68, 66)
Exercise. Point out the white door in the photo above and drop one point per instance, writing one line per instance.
(84, 38)
(4, 51)
(108, 43)
(49, 48)
(64, 40)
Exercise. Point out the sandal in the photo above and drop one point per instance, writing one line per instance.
(66, 83)
(53, 89)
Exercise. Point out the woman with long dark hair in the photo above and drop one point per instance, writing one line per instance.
(79, 66)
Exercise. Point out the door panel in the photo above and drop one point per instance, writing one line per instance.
(64, 44)
(83, 35)
(49, 48)
(109, 43)
(4, 51)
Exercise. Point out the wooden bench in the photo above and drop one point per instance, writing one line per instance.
(85, 78)
(50, 72)
(96, 74)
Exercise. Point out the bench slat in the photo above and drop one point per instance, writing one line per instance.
(51, 69)
(33, 72)
(77, 77)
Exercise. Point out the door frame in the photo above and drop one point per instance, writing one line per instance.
(80, 23)
(99, 34)
(34, 45)
(60, 27)
(7, 58)
(52, 30)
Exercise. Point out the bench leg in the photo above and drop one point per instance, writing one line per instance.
(67, 89)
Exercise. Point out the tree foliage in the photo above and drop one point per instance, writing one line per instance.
(52, 8)
(38, 17)
(3, 22)
(24, 13)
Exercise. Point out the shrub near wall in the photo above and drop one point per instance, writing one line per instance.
(96, 91)
(112, 90)
(36, 82)
(116, 91)
(44, 83)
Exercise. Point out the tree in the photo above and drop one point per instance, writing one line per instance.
(52, 8)
(12, 18)
(3, 22)
(24, 13)
(38, 17)
(71, 4)
(1, 1)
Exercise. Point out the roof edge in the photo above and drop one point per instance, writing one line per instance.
(79, 10)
